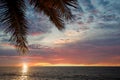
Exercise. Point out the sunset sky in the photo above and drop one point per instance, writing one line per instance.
(91, 39)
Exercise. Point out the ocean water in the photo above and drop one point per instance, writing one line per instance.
(60, 73)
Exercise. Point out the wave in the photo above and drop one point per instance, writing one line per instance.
(60, 77)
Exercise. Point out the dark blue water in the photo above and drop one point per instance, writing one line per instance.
(60, 73)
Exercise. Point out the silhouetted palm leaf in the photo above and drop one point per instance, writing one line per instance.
(15, 22)
(13, 16)
(56, 10)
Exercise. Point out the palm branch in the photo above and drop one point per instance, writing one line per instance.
(16, 24)
(56, 10)
(13, 16)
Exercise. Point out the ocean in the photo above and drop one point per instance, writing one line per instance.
(60, 73)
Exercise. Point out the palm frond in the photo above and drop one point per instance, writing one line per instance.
(56, 10)
(16, 24)
(64, 7)
(72, 3)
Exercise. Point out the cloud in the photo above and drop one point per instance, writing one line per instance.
(79, 53)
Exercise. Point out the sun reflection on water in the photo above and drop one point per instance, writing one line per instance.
(24, 68)
(24, 75)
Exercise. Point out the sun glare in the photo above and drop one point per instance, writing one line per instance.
(24, 68)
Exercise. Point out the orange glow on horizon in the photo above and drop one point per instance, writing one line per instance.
(65, 64)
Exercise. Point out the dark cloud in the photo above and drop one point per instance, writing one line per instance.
(105, 42)
(106, 26)
(8, 52)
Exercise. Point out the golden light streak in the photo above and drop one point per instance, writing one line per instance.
(24, 68)
(65, 64)
(49, 64)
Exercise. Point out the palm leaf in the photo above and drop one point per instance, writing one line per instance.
(16, 24)
(56, 10)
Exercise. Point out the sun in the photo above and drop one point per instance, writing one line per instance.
(24, 68)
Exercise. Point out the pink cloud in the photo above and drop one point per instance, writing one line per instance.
(68, 55)
(36, 33)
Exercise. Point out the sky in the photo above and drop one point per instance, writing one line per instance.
(91, 39)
